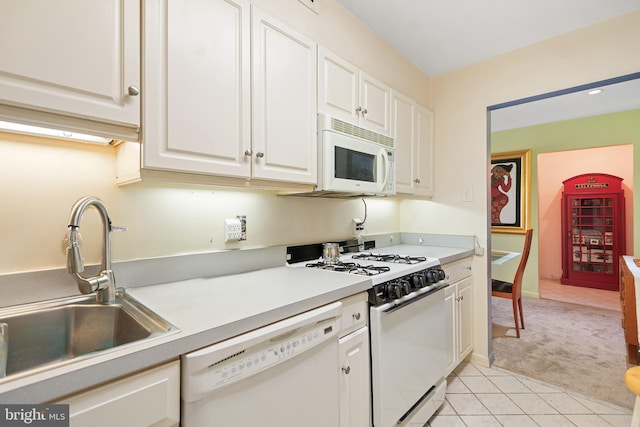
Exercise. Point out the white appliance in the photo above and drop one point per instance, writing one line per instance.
(285, 374)
(406, 325)
(353, 160)
(408, 358)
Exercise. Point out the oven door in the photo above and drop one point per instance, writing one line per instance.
(408, 354)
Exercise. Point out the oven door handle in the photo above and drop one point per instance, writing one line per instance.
(417, 298)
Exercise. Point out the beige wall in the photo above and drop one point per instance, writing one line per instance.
(42, 179)
(553, 168)
(460, 100)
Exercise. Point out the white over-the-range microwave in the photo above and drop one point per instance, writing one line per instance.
(354, 161)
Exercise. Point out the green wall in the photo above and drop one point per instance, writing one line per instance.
(597, 131)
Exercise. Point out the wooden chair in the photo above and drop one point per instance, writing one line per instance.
(513, 290)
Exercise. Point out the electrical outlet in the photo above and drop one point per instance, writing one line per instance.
(243, 226)
(232, 229)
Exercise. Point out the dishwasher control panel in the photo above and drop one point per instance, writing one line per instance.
(253, 360)
(238, 358)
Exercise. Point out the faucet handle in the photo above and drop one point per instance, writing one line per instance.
(115, 228)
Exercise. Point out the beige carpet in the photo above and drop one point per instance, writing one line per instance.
(576, 347)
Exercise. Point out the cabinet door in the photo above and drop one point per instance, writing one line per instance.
(375, 100)
(465, 317)
(197, 80)
(402, 130)
(338, 86)
(149, 398)
(355, 393)
(75, 57)
(423, 151)
(451, 324)
(284, 102)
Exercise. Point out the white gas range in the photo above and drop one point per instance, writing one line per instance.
(407, 329)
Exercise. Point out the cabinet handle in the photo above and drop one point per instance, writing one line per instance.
(346, 370)
(359, 109)
(248, 153)
(417, 180)
(259, 154)
(356, 316)
(133, 90)
(364, 111)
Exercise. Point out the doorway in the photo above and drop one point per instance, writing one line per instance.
(557, 166)
(549, 139)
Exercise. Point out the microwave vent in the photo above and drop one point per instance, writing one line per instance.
(353, 130)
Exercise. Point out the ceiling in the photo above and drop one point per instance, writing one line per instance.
(614, 98)
(442, 35)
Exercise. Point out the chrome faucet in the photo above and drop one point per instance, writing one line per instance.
(104, 284)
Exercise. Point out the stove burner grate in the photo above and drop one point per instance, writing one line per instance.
(350, 267)
(399, 259)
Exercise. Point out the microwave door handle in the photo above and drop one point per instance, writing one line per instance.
(385, 169)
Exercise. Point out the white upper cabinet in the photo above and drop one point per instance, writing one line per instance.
(424, 160)
(402, 131)
(197, 78)
(412, 128)
(349, 94)
(204, 62)
(284, 102)
(76, 58)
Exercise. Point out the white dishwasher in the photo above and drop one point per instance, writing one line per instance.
(285, 374)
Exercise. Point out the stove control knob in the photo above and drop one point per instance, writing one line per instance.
(393, 290)
(405, 287)
(431, 275)
(418, 281)
(441, 274)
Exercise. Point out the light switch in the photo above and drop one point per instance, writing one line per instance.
(466, 193)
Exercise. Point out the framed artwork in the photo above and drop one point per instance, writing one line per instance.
(510, 183)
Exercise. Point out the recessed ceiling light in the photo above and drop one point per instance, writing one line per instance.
(595, 91)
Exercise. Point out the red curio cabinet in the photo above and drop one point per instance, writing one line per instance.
(593, 230)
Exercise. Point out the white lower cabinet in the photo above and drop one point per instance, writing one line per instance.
(148, 398)
(355, 383)
(459, 312)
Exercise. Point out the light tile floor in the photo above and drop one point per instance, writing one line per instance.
(479, 396)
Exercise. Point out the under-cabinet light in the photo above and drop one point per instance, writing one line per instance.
(53, 133)
(595, 91)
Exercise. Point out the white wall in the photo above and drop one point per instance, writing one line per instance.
(460, 99)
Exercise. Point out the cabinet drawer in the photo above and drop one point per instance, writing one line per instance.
(457, 270)
(147, 398)
(354, 313)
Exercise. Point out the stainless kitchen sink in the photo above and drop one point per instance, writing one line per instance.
(45, 335)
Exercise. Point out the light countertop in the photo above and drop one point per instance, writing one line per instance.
(206, 310)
